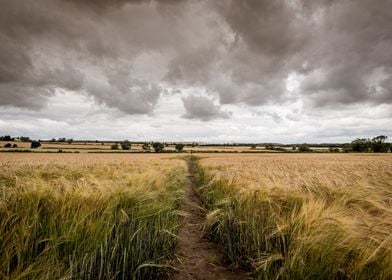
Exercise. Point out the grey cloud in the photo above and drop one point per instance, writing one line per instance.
(12, 54)
(132, 97)
(334, 45)
(241, 52)
(270, 28)
(24, 96)
(354, 40)
(193, 67)
(28, 76)
(273, 115)
(249, 62)
(203, 108)
(59, 44)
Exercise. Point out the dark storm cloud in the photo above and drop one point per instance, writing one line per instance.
(270, 28)
(203, 108)
(80, 46)
(342, 50)
(250, 63)
(351, 61)
(25, 79)
(237, 51)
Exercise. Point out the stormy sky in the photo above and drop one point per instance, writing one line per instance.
(198, 70)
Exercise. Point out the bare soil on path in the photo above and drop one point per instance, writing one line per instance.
(197, 257)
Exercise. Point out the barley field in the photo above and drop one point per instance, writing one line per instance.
(67, 216)
(301, 216)
(118, 216)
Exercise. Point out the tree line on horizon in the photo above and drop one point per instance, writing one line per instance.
(377, 144)
(158, 147)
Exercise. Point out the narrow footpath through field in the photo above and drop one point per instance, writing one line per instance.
(198, 258)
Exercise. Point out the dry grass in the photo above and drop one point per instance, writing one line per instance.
(302, 216)
(88, 216)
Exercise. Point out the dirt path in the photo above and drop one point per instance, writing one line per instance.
(197, 258)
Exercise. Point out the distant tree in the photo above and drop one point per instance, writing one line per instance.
(194, 144)
(6, 138)
(254, 146)
(15, 146)
(179, 147)
(347, 148)
(114, 146)
(8, 145)
(334, 150)
(24, 139)
(294, 148)
(70, 140)
(269, 147)
(62, 139)
(378, 144)
(126, 145)
(146, 146)
(35, 144)
(53, 140)
(103, 143)
(304, 148)
(158, 147)
(360, 145)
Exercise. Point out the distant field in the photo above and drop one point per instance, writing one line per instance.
(301, 216)
(106, 147)
(291, 170)
(83, 158)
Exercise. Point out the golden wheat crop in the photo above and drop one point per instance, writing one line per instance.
(136, 160)
(88, 216)
(301, 216)
(286, 216)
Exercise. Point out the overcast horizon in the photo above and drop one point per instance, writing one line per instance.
(284, 71)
